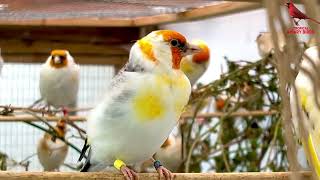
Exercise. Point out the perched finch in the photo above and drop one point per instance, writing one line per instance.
(265, 44)
(52, 151)
(59, 80)
(307, 105)
(1, 62)
(143, 105)
(195, 65)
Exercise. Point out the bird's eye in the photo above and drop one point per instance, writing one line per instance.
(174, 43)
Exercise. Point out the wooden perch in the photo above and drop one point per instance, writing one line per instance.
(147, 176)
(240, 113)
(18, 118)
(31, 118)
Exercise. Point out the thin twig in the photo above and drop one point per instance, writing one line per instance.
(43, 111)
(16, 118)
(52, 133)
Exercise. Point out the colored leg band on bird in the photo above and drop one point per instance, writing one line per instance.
(157, 164)
(118, 164)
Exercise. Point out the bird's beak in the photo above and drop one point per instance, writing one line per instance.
(57, 59)
(191, 49)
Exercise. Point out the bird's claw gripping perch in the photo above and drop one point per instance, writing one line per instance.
(162, 171)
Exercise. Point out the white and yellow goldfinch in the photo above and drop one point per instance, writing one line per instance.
(59, 79)
(143, 104)
(52, 151)
(195, 65)
(310, 112)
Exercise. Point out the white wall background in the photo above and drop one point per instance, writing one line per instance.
(232, 36)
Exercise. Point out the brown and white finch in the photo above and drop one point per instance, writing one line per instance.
(195, 65)
(52, 151)
(265, 44)
(143, 104)
(59, 79)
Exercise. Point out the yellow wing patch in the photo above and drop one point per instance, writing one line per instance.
(303, 96)
(178, 83)
(146, 48)
(151, 102)
(148, 106)
(313, 156)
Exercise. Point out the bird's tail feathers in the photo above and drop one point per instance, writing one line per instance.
(310, 150)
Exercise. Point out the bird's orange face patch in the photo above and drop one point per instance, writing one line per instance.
(203, 56)
(169, 36)
(176, 57)
(146, 48)
(62, 55)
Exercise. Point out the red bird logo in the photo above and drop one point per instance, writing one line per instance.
(295, 13)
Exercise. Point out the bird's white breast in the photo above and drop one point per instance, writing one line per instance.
(132, 123)
(51, 154)
(59, 86)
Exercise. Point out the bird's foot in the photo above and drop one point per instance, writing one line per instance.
(165, 173)
(128, 173)
(65, 111)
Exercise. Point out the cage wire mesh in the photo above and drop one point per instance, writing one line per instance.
(19, 87)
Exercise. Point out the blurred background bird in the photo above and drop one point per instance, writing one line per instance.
(306, 103)
(52, 151)
(59, 80)
(265, 44)
(1, 62)
(195, 65)
(143, 105)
